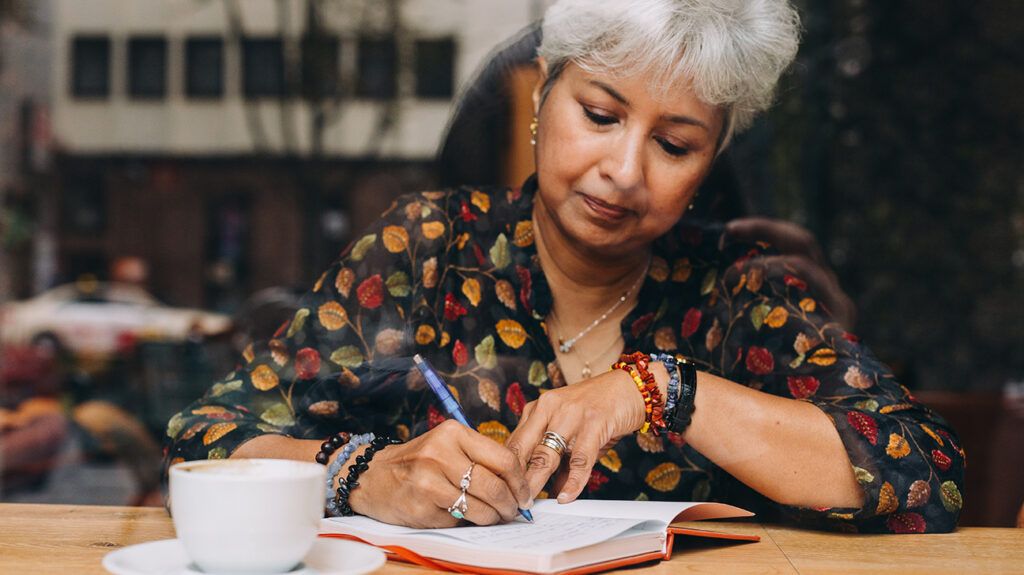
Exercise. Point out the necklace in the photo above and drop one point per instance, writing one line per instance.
(566, 345)
(586, 372)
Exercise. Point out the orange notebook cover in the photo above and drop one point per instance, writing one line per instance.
(581, 537)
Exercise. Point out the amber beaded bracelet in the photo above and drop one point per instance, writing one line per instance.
(653, 405)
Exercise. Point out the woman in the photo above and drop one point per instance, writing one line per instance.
(511, 293)
(483, 114)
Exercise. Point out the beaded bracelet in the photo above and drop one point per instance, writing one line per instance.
(643, 391)
(681, 416)
(673, 380)
(355, 442)
(642, 361)
(657, 420)
(335, 468)
(330, 445)
(648, 387)
(361, 464)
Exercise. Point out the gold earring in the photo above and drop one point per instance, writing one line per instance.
(533, 132)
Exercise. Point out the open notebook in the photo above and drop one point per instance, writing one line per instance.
(579, 537)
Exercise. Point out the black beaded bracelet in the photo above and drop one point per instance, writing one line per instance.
(330, 445)
(682, 414)
(362, 463)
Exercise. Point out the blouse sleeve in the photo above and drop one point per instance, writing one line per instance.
(340, 362)
(905, 456)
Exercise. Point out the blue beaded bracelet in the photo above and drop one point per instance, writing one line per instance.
(335, 466)
(673, 379)
(332, 472)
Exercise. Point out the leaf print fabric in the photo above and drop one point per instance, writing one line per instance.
(455, 276)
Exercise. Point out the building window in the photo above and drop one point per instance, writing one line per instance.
(147, 67)
(204, 67)
(228, 238)
(377, 69)
(262, 67)
(320, 67)
(84, 205)
(435, 68)
(90, 67)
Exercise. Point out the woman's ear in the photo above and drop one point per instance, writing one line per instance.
(538, 88)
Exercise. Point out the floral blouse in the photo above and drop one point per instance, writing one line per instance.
(455, 277)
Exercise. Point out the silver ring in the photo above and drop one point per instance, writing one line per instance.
(554, 441)
(459, 509)
(553, 446)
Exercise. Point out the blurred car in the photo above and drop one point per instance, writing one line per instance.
(96, 320)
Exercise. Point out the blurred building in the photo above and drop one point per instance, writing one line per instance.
(239, 145)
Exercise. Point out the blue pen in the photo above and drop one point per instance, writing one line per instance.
(450, 404)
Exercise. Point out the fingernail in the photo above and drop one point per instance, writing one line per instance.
(563, 497)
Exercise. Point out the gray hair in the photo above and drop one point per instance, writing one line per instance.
(732, 52)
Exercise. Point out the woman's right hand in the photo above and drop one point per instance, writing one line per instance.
(414, 483)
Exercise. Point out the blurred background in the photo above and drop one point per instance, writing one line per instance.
(174, 173)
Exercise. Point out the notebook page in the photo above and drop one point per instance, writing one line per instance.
(549, 533)
(662, 511)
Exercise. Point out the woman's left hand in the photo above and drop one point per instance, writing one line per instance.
(589, 415)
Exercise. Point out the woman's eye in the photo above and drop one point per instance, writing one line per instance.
(672, 149)
(599, 119)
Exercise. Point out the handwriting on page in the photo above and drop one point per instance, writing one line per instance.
(549, 531)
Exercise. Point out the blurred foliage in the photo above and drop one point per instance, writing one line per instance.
(898, 141)
(16, 228)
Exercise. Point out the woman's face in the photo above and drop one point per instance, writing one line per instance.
(616, 166)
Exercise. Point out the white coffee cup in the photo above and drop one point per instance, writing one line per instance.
(247, 515)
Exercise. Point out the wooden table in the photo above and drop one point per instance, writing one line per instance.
(74, 538)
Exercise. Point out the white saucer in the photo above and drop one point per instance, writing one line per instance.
(327, 557)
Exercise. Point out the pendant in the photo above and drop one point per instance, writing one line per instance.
(585, 372)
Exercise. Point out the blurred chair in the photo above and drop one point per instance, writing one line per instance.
(989, 430)
(169, 376)
(263, 313)
(32, 436)
(33, 426)
(121, 436)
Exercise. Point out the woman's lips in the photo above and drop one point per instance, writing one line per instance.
(604, 209)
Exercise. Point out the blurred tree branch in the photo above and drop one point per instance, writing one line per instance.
(309, 79)
(16, 12)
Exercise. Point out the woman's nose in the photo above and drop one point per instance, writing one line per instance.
(623, 162)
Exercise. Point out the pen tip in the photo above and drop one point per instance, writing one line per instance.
(526, 513)
(417, 359)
